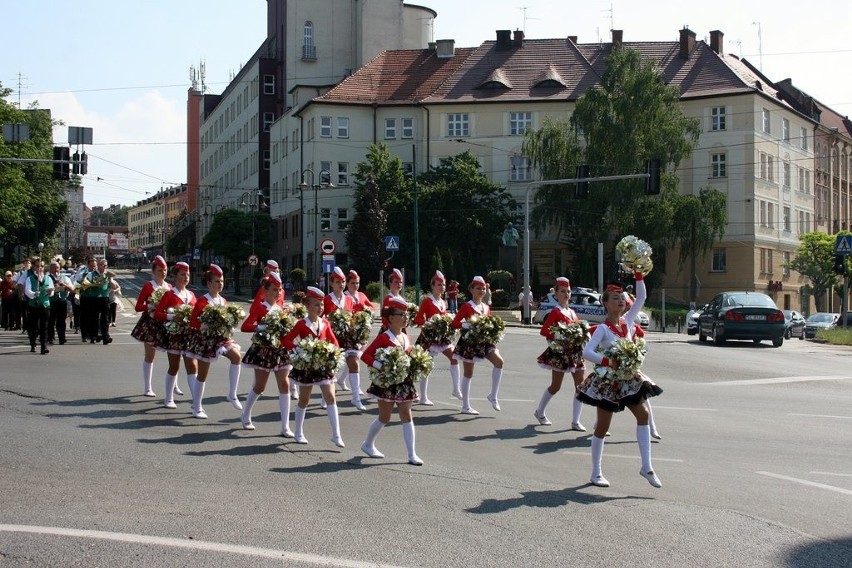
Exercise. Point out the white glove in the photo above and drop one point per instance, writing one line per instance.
(465, 325)
(377, 365)
(261, 327)
(170, 317)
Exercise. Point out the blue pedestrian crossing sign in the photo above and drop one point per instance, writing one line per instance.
(843, 245)
(392, 243)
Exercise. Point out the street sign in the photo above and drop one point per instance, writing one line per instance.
(392, 243)
(327, 246)
(843, 245)
(328, 257)
(196, 253)
(328, 266)
(253, 260)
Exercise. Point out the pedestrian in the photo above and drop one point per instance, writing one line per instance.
(114, 299)
(38, 289)
(401, 394)
(148, 330)
(610, 394)
(336, 300)
(453, 297)
(62, 286)
(562, 359)
(23, 301)
(175, 339)
(469, 353)
(207, 343)
(100, 284)
(7, 301)
(313, 326)
(265, 356)
(88, 303)
(431, 306)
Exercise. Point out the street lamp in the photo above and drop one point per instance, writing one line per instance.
(303, 186)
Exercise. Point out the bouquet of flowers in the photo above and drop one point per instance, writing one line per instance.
(362, 326)
(341, 324)
(485, 329)
(220, 320)
(396, 366)
(635, 255)
(628, 357)
(180, 322)
(420, 363)
(569, 336)
(317, 357)
(412, 312)
(278, 324)
(438, 330)
(299, 311)
(155, 297)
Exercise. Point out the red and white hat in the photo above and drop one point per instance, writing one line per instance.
(562, 281)
(396, 275)
(315, 293)
(353, 275)
(439, 276)
(182, 266)
(398, 303)
(338, 274)
(215, 270)
(275, 278)
(477, 281)
(272, 265)
(161, 262)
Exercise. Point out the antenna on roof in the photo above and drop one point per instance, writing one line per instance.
(524, 10)
(759, 43)
(740, 45)
(611, 16)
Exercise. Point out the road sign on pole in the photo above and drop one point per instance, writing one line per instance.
(843, 245)
(327, 266)
(392, 243)
(327, 246)
(253, 260)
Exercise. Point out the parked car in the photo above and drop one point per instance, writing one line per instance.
(742, 315)
(794, 324)
(818, 321)
(692, 320)
(587, 305)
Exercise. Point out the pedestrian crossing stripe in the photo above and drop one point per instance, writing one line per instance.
(391, 243)
(843, 245)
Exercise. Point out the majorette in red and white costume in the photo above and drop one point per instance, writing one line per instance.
(175, 343)
(359, 299)
(148, 330)
(270, 268)
(395, 284)
(335, 300)
(433, 305)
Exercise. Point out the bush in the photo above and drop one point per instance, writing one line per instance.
(297, 275)
(835, 335)
(500, 298)
(373, 289)
(501, 279)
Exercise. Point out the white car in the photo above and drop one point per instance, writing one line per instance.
(587, 304)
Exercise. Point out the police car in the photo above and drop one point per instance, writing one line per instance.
(587, 305)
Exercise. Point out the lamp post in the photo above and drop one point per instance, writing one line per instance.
(316, 187)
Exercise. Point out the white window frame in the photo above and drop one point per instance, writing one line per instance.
(458, 124)
(325, 127)
(718, 119)
(785, 130)
(325, 219)
(390, 129)
(520, 122)
(268, 119)
(268, 85)
(522, 171)
(719, 260)
(719, 165)
(342, 219)
(766, 121)
(342, 173)
(342, 127)
(407, 128)
(786, 175)
(803, 133)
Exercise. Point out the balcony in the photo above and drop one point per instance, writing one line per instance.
(309, 53)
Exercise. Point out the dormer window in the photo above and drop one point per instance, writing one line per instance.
(496, 80)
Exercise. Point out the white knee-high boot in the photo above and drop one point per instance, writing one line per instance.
(169, 397)
(192, 382)
(369, 445)
(299, 425)
(284, 407)
(408, 435)
(424, 392)
(543, 402)
(496, 375)
(234, 383)
(465, 392)
(245, 417)
(577, 411)
(197, 399)
(147, 377)
(455, 377)
(355, 384)
(597, 453)
(334, 420)
(643, 438)
(651, 423)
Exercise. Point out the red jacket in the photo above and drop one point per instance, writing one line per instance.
(381, 341)
(261, 294)
(194, 322)
(302, 329)
(554, 317)
(148, 289)
(429, 308)
(329, 304)
(360, 301)
(171, 300)
(256, 313)
(467, 310)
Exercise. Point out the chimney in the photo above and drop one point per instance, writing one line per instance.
(573, 39)
(687, 43)
(446, 48)
(433, 46)
(716, 43)
(519, 38)
(617, 35)
(504, 39)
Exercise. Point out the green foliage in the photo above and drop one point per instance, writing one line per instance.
(814, 260)
(373, 289)
(835, 335)
(500, 298)
(297, 275)
(230, 236)
(501, 279)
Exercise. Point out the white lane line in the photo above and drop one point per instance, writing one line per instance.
(778, 380)
(624, 457)
(658, 407)
(806, 482)
(830, 473)
(283, 555)
(817, 415)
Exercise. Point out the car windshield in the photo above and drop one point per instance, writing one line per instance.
(821, 318)
(751, 300)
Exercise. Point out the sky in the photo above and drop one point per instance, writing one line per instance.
(122, 68)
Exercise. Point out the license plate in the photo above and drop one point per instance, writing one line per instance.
(755, 317)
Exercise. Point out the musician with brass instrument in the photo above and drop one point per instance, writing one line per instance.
(86, 296)
(97, 285)
(38, 289)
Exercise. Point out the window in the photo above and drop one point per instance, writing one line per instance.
(325, 127)
(408, 169)
(390, 128)
(342, 219)
(325, 173)
(767, 125)
(309, 50)
(785, 130)
(803, 134)
(408, 128)
(718, 119)
(343, 173)
(785, 263)
(720, 260)
(325, 219)
(284, 228)
(763, 168)
(295, 226)
(268, 119)
(519, 123)
(268, 85)
(266, 160)
(342, 127)
(718, 165)
(786, 218)
(457, 124)
(785, 180)
(521, 169)
(766, 261)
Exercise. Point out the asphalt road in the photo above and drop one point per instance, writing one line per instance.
(755, 462)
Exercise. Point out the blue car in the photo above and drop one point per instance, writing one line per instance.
(742, 315)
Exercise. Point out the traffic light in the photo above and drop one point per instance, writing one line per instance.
(84, 164)
(652, 182)
(61, 165)
(75, 163)
(839, 264)
(581, 190)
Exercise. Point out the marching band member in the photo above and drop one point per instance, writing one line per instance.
(148, 330)
(338, 300)
(400, 395)
(433, 305)
(58, 305)
(174, 344)
(561, 362)
(469, 353)
(38, 288)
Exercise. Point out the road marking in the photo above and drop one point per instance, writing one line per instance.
(830, 473)
(620, 456)
(820, 416)
(658, 407)
(778, 380)
(282, 555)
(806, 482)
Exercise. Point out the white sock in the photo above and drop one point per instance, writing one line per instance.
(147, 375)
(542, 404)
(424, 389)
(198, 396)
(372, 433)
(341, 378)
(465, 390)
(234, 380)
(597, 454)
(300, 421)
(284, 407)
(169, 397)
(651, 422)
(577, 411)
(643, 437)
(355, 385)
(251, 398)
(496, 375)
(408, 435)
(334, 420)
(192, 381)
(455, 377)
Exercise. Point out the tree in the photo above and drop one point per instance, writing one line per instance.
(230, 236)
(814, 259)
(630, 118)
